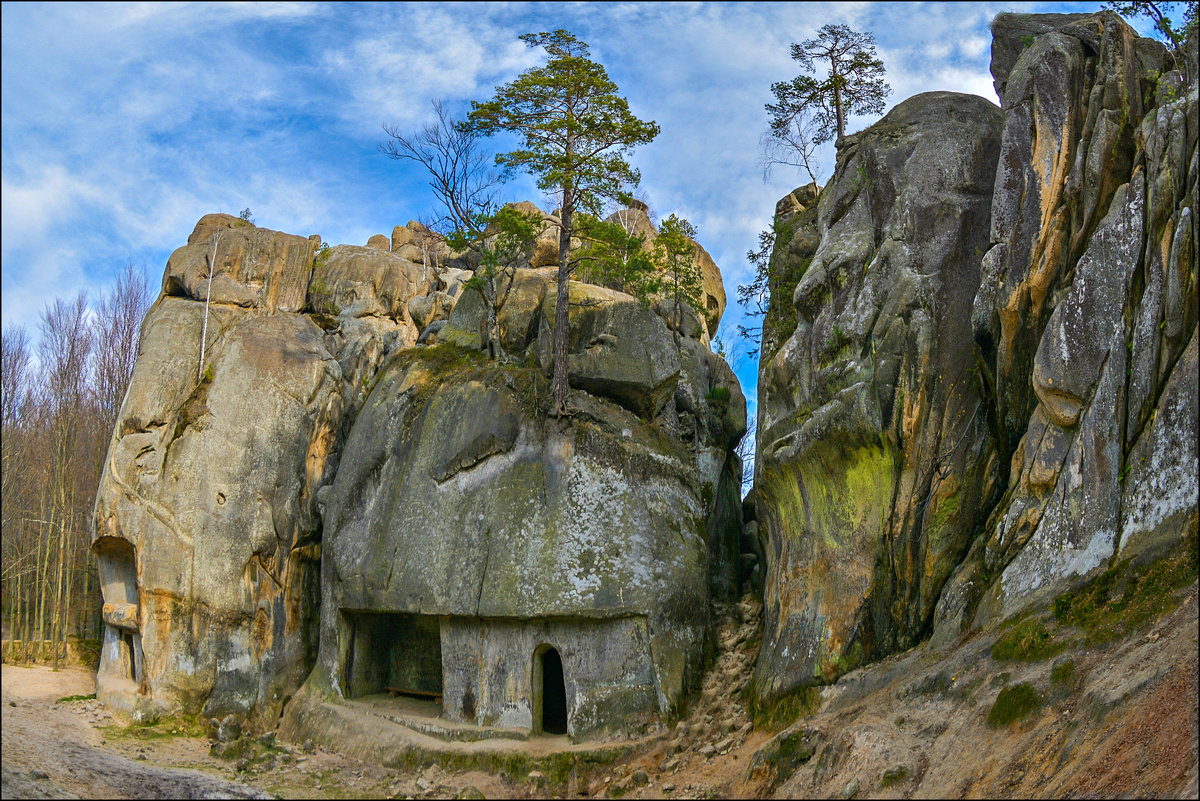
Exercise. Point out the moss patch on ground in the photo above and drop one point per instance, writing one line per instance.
(67, 699)
(893, 776)
(1063, 672)
(1027, 641)
(1127, 597)
(781, 712)
(161, 728)
(1014, 703)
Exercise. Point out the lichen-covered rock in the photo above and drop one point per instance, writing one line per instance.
(1161, 494)
(1013, 34)
(1062, 515)
(217, 501)
(874, 457)
(207, 531)
(1072, 104)
(1100, 369)
(458, 498)
(1084, 323)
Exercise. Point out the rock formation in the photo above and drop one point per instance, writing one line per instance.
(978, 377)
(325, 486)
(874, 457)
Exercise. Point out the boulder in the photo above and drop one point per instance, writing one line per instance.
(425, 309)
(365, 281)
(410, 252)
(467, 324)
(691, 323)
(401, 236)
(520, 313)
(206, 511)
(616, 348)
(255, 267)
(451, 280)
(511, 530)
(379, 242)
(1013, 34)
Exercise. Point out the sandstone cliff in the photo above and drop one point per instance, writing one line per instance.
(978, 383)
(325, 485)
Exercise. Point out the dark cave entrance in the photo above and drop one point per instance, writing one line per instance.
(398, 654)
(553, 692)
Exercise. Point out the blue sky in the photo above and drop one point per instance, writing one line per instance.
(123, 124)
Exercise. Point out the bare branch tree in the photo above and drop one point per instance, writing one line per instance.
(119, 320)
(790, 145)
(461, 174)
(212, 267)
(745, 451)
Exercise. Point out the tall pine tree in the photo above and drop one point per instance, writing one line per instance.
(576, 132)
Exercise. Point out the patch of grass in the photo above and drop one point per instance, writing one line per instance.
(1147, 592)
(442, 358)
(1028, 641)
(893, 776)
(1014, 703)
(161, 728)
(67, 699)
(782, 712)
(718, 395)
(1063, 672)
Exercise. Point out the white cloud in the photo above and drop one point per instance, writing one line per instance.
(124, 123)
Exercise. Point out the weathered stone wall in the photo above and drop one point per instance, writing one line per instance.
(490, 666)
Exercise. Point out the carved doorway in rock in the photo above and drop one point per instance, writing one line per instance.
(549, 692)
(121, 651)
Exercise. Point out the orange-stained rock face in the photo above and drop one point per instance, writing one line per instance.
(873, 456)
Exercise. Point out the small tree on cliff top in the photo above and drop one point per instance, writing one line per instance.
(576, 131)
(675, 253)
(806, 107)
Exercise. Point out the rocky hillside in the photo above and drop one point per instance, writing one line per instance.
(978, 388)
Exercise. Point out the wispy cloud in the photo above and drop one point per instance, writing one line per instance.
(124, 123)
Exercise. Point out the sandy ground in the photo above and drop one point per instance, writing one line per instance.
(1127, 727)
(55, 748)
(58, 748)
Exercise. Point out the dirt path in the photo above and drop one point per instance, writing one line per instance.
(59, 748)
(1125, 725)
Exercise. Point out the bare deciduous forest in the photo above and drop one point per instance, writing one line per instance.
(59, 398)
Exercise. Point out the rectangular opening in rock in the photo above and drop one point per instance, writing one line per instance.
(397, 654)
(121, 649)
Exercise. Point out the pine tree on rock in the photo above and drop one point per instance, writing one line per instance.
(854, 85)
(576, 131)
(675, 252)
